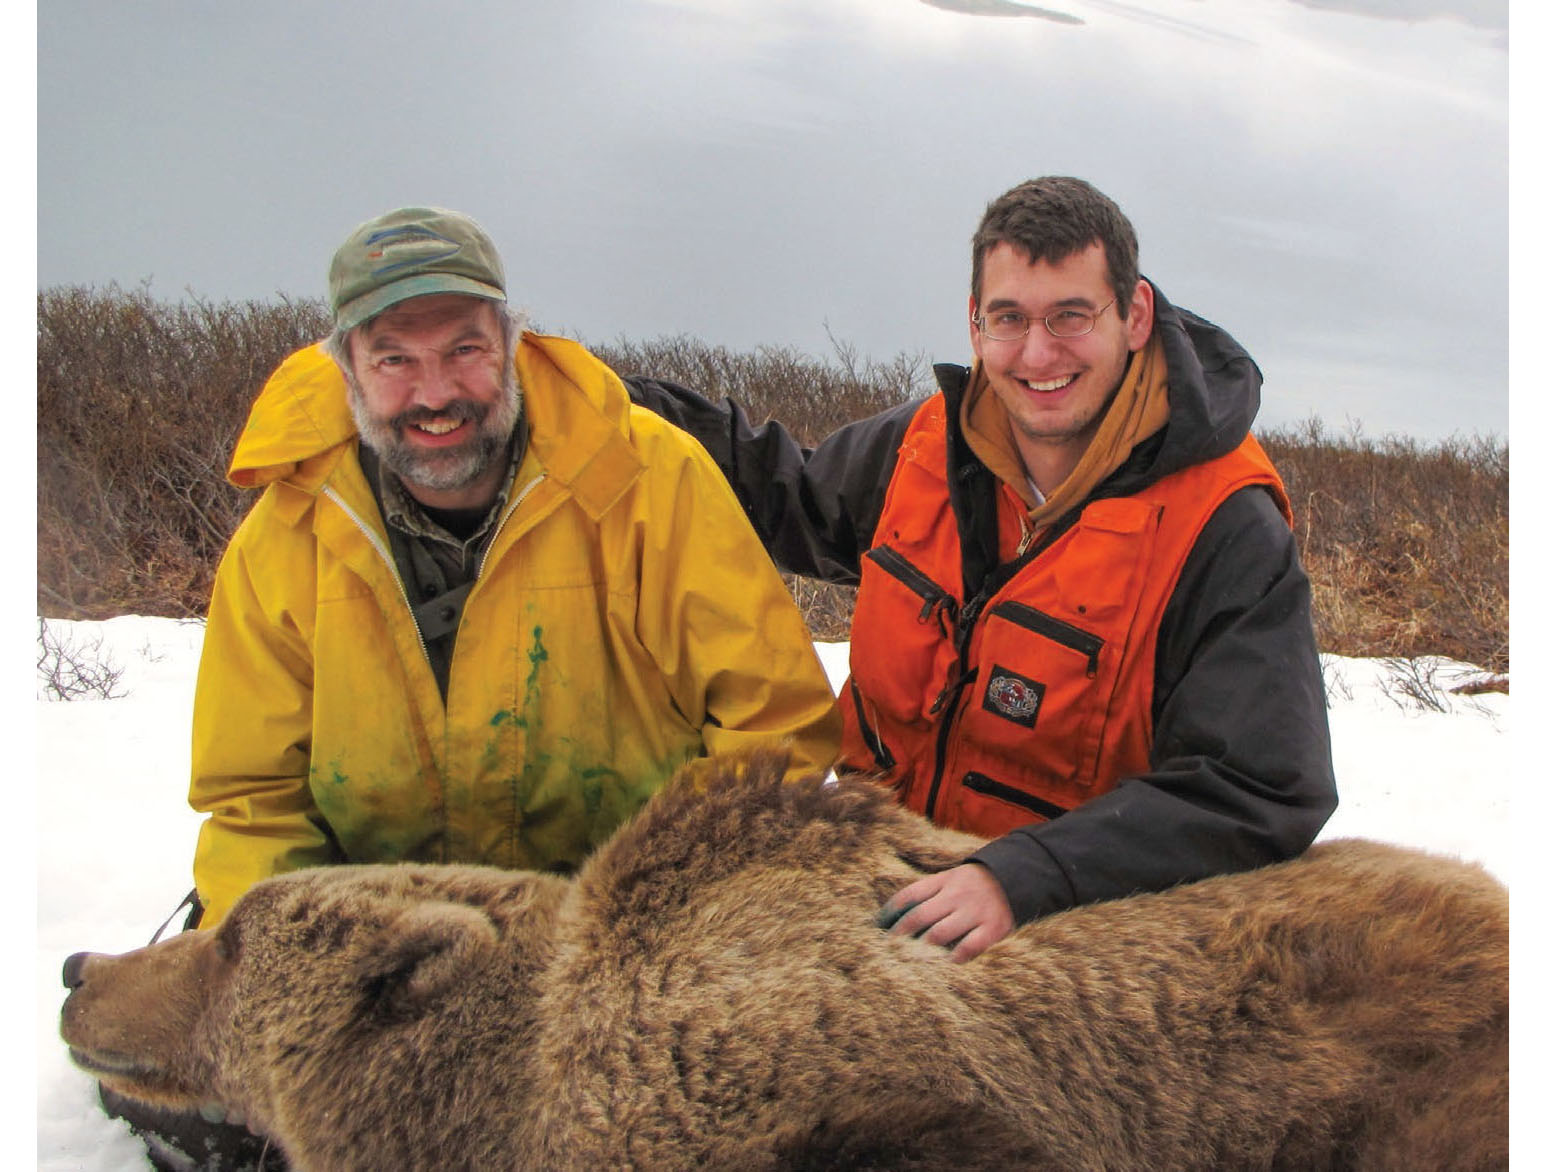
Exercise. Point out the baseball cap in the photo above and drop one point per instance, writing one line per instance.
(407, 253)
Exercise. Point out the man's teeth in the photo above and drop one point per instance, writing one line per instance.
(1056, 384)
(438, 426)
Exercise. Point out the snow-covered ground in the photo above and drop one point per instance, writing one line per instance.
(115, 837)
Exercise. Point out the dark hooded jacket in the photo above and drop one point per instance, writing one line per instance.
(1239, 772)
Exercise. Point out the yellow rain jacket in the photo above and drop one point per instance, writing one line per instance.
(624, 622)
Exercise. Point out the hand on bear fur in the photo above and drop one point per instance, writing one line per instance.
(963, 909)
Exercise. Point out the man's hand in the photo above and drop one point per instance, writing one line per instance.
(963, 909)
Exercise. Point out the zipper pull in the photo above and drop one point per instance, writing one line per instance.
(1025, 534)
(954, 683)
(940, 607)
(944, 693)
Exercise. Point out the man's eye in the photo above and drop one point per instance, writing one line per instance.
(1007, 319)
(1065, 320)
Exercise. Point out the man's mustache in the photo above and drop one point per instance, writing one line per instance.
(456, 411)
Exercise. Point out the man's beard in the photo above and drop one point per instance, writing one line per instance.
(452, 468)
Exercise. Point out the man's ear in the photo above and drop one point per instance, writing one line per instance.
(423, 954)
(971, 325)
(1140, 316)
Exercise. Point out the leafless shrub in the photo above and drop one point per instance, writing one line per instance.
(1415, 681)
(140, 402)
(1406, 544)
(69, 671)
(1334, 682)
(810, 396)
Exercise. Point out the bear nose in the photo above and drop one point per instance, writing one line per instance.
(74, 970)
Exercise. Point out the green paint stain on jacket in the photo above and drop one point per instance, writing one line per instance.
(526, 717)
(538, 655)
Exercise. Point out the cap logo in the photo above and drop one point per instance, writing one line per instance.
(1014, 697)
(409, 247)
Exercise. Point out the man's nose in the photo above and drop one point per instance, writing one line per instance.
(435, 386)
(1039, 345)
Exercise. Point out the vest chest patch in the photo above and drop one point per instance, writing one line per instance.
(1015, 697)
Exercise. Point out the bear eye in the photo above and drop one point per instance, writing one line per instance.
(228, 941)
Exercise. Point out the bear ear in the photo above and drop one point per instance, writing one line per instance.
(422, 954)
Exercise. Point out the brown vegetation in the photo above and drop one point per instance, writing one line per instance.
(140, 401)
(139, 406)
(1406, 545)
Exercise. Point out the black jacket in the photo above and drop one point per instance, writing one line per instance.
(1240, 772)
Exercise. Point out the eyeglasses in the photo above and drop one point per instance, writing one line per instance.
(1010, 325)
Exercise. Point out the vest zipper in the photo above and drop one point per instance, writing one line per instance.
(966, 623)
(950, 698)
(983, 784)
(936, 599)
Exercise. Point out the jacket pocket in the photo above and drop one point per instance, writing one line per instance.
(903, 636)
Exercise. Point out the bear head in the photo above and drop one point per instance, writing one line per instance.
(325, 994)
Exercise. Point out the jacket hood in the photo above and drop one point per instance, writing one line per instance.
(301, 427)
(1215, 391)
(302, 413)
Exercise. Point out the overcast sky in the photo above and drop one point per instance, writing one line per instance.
(1325, 178)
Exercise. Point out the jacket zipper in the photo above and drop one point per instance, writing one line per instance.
(379, 545)
(499, 528)
(1061, 633)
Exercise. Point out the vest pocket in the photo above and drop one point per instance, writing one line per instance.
(1039, 701)
(1063, 634)
(905, 622)
(989, 807)
(868, 734)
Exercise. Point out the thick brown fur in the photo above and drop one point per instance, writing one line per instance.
(711, 991)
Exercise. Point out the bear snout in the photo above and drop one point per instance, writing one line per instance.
(75, 969)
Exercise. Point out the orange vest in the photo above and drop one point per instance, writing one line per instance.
(1042, 698)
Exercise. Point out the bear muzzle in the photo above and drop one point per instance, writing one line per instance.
(121, 1025)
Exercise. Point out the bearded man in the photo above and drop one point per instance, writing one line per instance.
(484, 607)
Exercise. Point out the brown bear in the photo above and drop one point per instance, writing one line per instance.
(712, 991)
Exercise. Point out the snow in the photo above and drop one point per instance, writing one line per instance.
(115, 837)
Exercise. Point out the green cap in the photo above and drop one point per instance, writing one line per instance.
(410, 253)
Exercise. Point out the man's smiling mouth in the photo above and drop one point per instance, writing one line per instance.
(1056, 384)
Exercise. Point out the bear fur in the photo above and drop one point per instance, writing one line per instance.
(711, 990)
